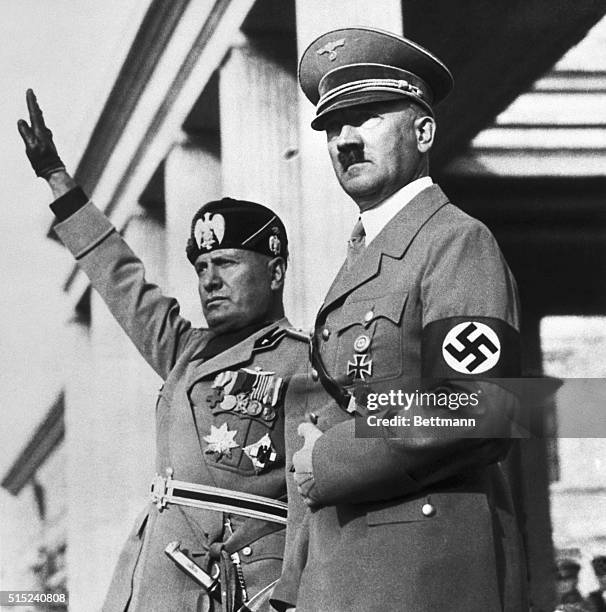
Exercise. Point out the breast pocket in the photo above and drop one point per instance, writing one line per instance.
(247, 446)
(239, 417)
(370, 338)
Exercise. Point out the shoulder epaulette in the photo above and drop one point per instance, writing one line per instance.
(272, 338)
(297, 334)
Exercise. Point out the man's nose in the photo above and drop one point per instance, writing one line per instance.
(210, 279)
(348, 136)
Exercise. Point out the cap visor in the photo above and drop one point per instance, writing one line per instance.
(363, 97)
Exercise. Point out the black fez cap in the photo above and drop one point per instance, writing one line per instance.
(236, 224)
(599, 565)
(567, 568)
(359, 65)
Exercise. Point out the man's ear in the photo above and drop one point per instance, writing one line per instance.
(277, 268)
(425, 129)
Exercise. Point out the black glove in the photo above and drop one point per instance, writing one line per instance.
(38, 139)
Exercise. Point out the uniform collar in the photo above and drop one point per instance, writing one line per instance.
(375, 219)
(222, 342)
(237, 354)
(393, 242)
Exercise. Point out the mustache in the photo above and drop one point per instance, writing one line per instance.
(350, 156)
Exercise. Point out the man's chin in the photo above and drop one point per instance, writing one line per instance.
(363, 173)
(359, 188)
(222, 326)
(219, 321)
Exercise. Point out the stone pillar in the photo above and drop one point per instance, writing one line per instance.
(192, 178)
(527, 467)
(259, 142)
(328, 213)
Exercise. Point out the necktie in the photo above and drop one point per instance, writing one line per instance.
(356, 244)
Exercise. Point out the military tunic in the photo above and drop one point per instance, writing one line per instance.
(209, 427)
(422, 523)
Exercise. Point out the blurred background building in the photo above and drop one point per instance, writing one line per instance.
(160, 106)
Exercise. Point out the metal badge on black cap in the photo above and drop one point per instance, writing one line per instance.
(209, 231)
(274, 242)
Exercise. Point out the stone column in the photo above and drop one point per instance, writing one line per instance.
(259, 142)
(192, 178)
(527, 467)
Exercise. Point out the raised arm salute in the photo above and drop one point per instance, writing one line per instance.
(150, 319)
(220, 453)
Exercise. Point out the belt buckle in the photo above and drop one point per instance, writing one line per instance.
(159, 489)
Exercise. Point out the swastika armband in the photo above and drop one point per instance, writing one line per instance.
(470, 347)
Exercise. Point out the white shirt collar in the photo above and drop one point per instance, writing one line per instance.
(375, 219)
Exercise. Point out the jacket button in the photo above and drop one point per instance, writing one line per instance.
(314, 374)
(247, 551)
(326, 333)
(428, 509)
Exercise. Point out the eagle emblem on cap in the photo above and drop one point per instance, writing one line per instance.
(209, 230)
(331, 47)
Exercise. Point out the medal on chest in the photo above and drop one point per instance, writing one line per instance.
(261, 453)
(246, 393)
(220, 441)
(360, 366)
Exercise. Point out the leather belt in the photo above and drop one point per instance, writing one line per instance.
(344, 398)
(165, 490)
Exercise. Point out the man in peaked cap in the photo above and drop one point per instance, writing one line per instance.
(596, 600)
(220, 414)
(422, 521)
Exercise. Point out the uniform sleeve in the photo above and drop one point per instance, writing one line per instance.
(295, 550)
(151, 320)
(295, 558)
(465, 278)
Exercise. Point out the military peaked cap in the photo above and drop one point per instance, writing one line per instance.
(359, 65)
(236, 224)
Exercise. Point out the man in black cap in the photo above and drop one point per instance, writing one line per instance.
(424, 303)
(596, 600)
(220, 420)
(567, 581)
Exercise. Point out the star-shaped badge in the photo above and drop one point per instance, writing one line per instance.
(221, 440)
(261, 453)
